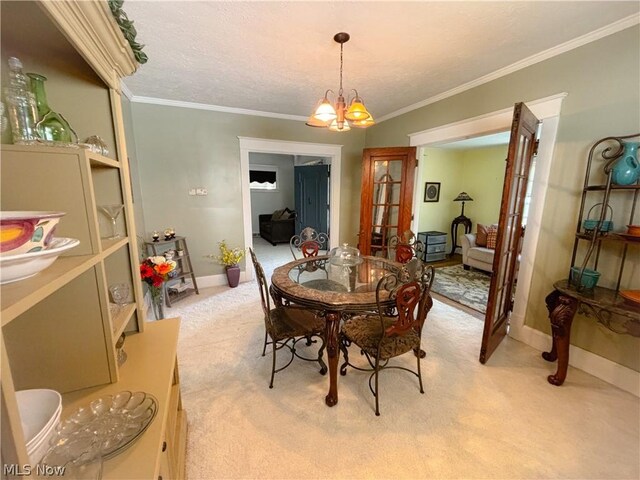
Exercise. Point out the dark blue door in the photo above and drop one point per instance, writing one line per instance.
(312, 198)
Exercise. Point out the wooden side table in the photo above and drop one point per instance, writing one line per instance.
(184, 263)
(460, 220)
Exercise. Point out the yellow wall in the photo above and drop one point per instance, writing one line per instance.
(482, 178)
(442, 166)
(477, 171)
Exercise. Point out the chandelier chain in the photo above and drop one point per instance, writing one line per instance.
(341, 46)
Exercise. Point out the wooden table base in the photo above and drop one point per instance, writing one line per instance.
(332, 329)
(562, 309)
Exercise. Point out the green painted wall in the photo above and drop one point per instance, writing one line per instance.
(182, 148)
(602, 80)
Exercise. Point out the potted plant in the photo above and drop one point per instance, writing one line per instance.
(230, 257)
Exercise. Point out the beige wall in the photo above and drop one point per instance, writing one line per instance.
(182, 148)
(601, 79)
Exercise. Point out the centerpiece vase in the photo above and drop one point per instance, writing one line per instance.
(233, 275)
(51, 126)
(157, 302)
(626, 170)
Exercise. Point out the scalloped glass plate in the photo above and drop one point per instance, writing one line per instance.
(115, 421)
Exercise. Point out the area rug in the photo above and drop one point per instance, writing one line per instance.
(468, 287)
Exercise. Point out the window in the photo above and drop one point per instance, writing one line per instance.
(527, 197)
(263, 177)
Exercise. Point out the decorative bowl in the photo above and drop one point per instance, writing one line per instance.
(633, 230)
(25, 265)
(631, 296)
(22, 232)
(588, 280)
(590, 225)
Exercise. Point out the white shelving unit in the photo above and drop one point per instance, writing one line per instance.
(57, 328)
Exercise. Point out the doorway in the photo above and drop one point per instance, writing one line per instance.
(548, 111)
(333, 154)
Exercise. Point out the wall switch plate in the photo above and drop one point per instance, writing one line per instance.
(192, 191)
(201, 191)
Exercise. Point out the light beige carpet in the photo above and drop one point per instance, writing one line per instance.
(501, 420)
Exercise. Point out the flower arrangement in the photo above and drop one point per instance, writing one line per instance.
(154, 271)
(229, 257)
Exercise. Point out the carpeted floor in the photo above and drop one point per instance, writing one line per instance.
(500, 420)
(468, 287)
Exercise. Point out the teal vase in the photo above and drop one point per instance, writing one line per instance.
(51, 126)
(626, 170)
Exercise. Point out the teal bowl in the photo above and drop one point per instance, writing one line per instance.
(589, 277)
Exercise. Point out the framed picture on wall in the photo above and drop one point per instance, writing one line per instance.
(432, 191)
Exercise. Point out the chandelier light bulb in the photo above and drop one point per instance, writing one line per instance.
(335, 126)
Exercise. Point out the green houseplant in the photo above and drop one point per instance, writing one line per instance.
(230, 258)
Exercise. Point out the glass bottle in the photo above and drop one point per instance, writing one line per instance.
(52, 126)
(21, 105)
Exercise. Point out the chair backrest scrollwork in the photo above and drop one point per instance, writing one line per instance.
(402, 248)
(410, 289)
(308, 244)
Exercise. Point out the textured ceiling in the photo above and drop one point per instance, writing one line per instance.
(280, 57)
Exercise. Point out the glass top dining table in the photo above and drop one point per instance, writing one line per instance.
(333, 290)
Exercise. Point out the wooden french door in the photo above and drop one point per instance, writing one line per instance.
(522, 148)
(387, 196)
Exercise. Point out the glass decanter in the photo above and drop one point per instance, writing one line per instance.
(51, 126)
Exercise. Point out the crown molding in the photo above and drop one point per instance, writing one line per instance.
(215, 108)
(514, 67)
(125, 91)
(92, 30)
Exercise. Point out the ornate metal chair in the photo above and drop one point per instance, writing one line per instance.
(391, 332)
(308, 244)
(405, 247)
(286, 325)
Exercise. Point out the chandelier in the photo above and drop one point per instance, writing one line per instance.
(338, 117)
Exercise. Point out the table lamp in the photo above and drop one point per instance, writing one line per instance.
(463, 197)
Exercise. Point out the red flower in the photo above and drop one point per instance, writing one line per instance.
(145, 271)
(157, 281)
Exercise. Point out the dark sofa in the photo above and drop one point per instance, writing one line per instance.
(275, 229)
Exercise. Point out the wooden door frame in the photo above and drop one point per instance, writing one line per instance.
(284, 147)
(548, 111)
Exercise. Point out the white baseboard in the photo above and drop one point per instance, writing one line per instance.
(611, 372)
(218, 280)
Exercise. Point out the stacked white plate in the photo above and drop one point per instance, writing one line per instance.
(40, 410)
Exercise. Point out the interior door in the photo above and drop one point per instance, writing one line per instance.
(387, 196)
(522, 148)
(312, 197)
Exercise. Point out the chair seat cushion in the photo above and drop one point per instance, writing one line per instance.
(365, 331)
(289, 322)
